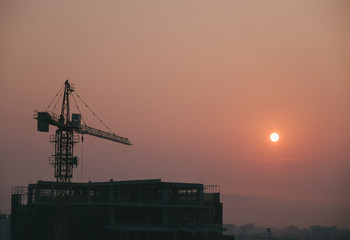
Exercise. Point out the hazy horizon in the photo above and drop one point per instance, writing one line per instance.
(197, 87)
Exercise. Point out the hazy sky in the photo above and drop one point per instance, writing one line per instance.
(197, 87)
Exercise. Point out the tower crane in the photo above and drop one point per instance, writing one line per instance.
(63, 159)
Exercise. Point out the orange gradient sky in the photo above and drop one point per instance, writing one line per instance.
(197, 87)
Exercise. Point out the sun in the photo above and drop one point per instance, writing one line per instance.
(274, 137)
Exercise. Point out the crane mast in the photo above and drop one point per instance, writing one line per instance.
(63, 160)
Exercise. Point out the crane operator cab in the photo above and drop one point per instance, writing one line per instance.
(76, 120)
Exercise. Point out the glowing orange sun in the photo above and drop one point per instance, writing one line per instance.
(274, 137)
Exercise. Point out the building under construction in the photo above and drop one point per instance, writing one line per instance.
(123, 210)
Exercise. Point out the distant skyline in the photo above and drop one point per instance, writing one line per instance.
(197, 87)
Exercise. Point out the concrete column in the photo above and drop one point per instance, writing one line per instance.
(166, 200)
(111, 210)
(52, 192)
(37, 194)
(139, 195)
(199, 216)
(70, 191)
(165, 219)
(200, 195)
(30, 195)
(200, 202)
(111, 191)
(119, 195)
(89, 190)
(111, 215)
(165, 196)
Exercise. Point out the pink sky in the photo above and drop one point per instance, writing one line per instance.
(197, 87)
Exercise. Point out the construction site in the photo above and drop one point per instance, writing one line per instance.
(138, 209)
(113, 210)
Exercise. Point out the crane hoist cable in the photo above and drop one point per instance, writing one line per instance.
(104, 153)
(82, 137)
(93, 112)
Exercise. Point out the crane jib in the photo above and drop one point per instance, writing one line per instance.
(47, 118)
(102, 134)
